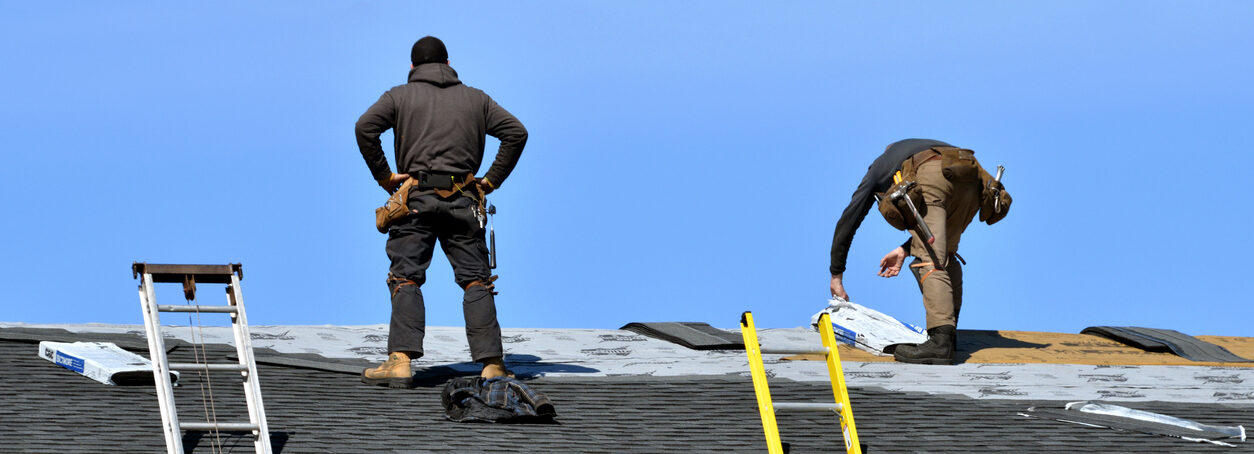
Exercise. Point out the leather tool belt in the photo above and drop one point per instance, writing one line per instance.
(443, 184)
(436, 180)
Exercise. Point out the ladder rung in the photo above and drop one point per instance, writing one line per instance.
(204, 274)
(806, 406)
(188, 308)
(790, 351)
(195, 366)
(218, 426)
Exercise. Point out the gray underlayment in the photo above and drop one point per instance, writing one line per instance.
(608, 353)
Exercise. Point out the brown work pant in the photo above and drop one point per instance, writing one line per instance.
(950, 208)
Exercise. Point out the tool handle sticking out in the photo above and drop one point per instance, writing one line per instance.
(491, 237)
(996, 191)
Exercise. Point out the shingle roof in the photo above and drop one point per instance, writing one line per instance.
(46, 408)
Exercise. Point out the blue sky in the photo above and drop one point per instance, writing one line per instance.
(687, 160)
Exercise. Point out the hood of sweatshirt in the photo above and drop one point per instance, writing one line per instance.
(438, 74)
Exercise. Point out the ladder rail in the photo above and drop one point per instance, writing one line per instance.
(244, 351)
(760, 387)
(839, 390)
(160, 367)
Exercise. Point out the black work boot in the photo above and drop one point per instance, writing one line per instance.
(939, 348)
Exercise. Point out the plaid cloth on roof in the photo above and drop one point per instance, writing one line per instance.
(500, 399)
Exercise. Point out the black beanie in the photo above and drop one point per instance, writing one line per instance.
(429, 49)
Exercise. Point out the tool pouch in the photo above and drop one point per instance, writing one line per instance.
(395, 208)
(994, 200)
(898, 214)
(959, 165)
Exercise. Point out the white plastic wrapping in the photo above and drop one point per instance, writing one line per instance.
(866, 328)
(1141, 415)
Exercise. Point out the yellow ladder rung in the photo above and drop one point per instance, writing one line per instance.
(767, 409)
(786, 351)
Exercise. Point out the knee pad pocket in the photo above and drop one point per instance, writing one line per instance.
(395, 283)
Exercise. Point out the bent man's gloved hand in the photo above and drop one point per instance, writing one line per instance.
(392, 183)
(838, 287)
(890, 265)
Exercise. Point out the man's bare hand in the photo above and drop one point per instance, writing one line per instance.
(838, 287)
(485, 186)
(890, 265)
(394, 182)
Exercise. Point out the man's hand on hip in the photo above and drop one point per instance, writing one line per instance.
(485, 186)
(838, 287)
(890, 265)
(392, 183)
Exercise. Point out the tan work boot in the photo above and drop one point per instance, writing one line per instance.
(495, 367)
(393, 373)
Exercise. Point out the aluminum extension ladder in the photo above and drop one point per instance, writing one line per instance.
(189, 275)
(768, 409)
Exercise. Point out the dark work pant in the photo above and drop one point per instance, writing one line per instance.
(410, 244)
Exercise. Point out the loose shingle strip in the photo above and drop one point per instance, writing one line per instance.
(1153, 339)
(694, 335)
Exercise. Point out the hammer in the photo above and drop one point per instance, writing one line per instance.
(899, 194)
(997, 192)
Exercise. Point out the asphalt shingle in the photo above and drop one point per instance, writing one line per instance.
(46, 408)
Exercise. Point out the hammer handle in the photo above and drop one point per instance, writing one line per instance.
(996, 191)
(923, 229)
(492, 255)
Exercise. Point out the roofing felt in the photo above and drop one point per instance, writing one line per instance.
(47, 408)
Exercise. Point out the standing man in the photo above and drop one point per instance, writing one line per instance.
(439, 126)
(952, 186)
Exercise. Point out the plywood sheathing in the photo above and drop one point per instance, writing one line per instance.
(978, 346)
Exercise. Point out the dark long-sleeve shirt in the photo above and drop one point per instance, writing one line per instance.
(440, 125)
(878, 178)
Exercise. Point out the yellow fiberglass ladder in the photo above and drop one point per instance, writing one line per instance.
(768, 409)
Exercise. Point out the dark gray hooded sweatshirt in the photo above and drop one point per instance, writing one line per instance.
(440, 125)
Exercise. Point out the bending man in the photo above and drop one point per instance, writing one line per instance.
(950, 199)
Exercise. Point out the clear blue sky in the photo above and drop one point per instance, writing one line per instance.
(687, 160)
